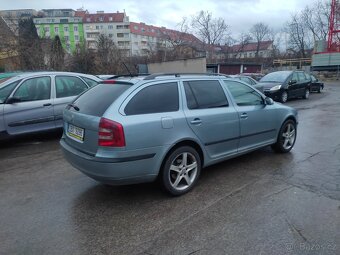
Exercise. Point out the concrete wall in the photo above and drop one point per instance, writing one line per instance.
(195, 65)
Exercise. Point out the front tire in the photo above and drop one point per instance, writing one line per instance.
(284, 97)
(286, 138)
(180, 171)
(306, 95)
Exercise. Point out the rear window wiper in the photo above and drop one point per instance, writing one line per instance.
(74, 107)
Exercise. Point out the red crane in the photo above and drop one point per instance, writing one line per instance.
(334, 28)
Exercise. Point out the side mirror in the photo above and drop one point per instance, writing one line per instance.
(13, 100)
(268, 101)
(292, 82)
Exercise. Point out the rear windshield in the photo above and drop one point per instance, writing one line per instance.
(96, 100)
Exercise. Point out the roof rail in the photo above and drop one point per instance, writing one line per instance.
(128, 75)
(153, 76)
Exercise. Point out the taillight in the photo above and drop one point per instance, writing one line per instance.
(110, 133)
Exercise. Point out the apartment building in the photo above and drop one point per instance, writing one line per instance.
(61, 22)
(147, 38)
(12, 17)
(116, 26)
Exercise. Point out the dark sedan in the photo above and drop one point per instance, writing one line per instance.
(284, 85)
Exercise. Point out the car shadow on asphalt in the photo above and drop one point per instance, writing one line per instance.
(29, 139)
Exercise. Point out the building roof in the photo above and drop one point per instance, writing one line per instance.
(103, 17)
(161, 32)
(80, 13)
(248, 47)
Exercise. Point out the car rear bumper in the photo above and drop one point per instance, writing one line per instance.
(113, 171)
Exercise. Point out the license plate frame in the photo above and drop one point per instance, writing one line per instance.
(75, 133)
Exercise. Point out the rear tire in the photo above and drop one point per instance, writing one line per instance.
(286, 137)
(180, 171)
(319, 90)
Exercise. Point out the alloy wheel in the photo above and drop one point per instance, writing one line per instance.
(183, 171)
(288, 135)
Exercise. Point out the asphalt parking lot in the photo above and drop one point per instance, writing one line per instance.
(260, 203)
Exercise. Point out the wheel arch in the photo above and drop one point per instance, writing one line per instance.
(185, 142)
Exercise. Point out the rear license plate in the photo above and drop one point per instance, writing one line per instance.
(76, 133)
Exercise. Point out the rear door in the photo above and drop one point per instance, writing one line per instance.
(303, 83)
(257, 120)
(66, 89)
(209, 114)
(34, 111)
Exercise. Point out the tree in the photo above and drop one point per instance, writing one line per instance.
(109, 58)
(299, 36)
(82, 60)
(56, 55)
(210, 30)
(29, 47)
(259, 32)
(316, 19)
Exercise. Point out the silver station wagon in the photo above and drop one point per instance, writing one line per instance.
(168, 127)
(34, 102)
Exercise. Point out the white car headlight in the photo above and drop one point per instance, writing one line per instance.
(277, 87)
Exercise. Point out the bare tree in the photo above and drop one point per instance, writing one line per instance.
(259, 32)
(109, 58)
(210, 30)
(244, 40)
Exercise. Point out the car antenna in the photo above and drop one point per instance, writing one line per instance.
(127, 69)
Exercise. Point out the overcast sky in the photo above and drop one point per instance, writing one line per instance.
(240, 15)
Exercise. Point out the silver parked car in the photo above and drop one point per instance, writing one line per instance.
(31, 102)
(169, 127)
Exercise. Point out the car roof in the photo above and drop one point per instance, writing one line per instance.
(20, 76)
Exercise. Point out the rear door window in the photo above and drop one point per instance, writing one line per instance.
(154, 99)
(67, 86)
(96, 100)
(89, 81)
(204, 94)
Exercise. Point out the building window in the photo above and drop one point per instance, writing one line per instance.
(126, 26)
(101, 27)
(97, 27)
(120, 27)
(88, 19)
(75, 28)
(66, 38)
(110, 27)
(76, 37)
(87, 27)
(101, 19)
(110, 35)
(47, 29)
(66, 29)
(120, 35)
(110, 19)
(56, 29)
(135, 27)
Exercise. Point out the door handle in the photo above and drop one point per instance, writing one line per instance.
(196, 121)
(47, 104)
(244, 116)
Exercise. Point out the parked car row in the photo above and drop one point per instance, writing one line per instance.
(284, 85)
